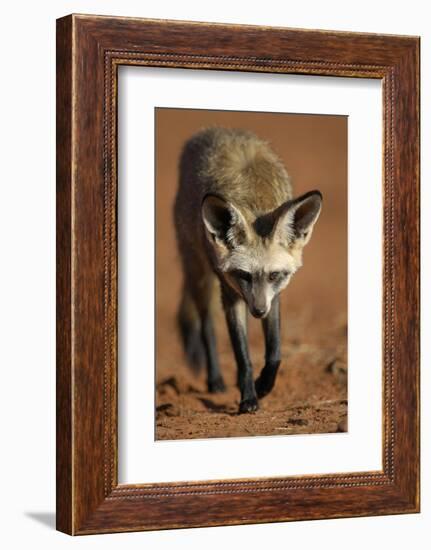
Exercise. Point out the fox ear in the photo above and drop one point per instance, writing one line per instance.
(296, 218)
(223, 221)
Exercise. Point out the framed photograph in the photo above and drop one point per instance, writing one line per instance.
(237, 274)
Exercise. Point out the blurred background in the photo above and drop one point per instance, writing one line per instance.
(310, 395)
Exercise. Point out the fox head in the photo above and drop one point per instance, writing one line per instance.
(256, 257)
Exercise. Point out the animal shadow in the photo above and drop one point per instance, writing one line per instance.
(216, 407)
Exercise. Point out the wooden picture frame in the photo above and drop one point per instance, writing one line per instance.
(89, 51)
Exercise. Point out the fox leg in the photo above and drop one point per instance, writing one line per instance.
(196, 321)
(204, 295)
(271, 329)
(214, 377)
(236, 318)
(189, 324)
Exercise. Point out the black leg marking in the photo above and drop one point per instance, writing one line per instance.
(271, 328)
(236, 317)
(215, 379)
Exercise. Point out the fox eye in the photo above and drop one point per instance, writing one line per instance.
(277, 275)
(243, 275)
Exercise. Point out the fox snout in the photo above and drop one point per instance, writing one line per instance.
(259, 312)
(258, 304)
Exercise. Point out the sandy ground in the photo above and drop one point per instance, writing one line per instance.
(310, 394)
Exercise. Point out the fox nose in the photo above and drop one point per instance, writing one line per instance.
(258, 312)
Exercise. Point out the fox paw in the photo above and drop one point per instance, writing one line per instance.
(266, 380)
(263, 386)
(248, 405)
(216, 386)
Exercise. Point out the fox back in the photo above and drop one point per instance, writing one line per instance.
(233, 164)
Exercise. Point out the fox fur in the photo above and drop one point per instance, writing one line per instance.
(239, 231)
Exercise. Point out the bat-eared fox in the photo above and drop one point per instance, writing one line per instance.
(239, 230)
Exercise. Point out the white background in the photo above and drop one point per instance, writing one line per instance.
(141, 459)
(27, 123)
